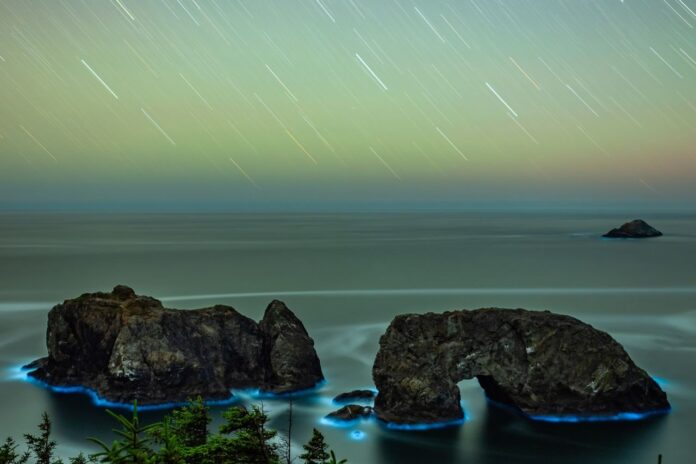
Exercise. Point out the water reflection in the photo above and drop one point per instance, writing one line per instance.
(506, 433)
(436, 446)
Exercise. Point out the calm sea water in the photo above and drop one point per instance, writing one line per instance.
(346, 276)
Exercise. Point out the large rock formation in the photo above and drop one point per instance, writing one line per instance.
(125, 347)
(542, 363)
(634, 229)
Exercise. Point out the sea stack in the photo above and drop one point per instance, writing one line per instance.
(637, 228)
(127, 347)
(548, 366)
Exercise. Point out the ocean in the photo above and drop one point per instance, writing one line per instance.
(346, 276)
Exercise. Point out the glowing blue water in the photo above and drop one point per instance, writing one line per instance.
(626, 416)
(622, 416)
(104, 403)
(423, 427)
(19, 372)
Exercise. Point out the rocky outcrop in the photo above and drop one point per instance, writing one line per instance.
(541, 363)
(355, 395)
(350, 413)
(634, 229)
(125, 347)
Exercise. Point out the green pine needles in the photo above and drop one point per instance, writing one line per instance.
(181, 437)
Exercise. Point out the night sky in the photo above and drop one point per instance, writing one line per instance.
(340, 104)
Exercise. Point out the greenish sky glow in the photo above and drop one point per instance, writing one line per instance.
(259, 104)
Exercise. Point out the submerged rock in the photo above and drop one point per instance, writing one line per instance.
(355, 395)
(541, 363)
(634, 229)
(125, 347)
(350, 412)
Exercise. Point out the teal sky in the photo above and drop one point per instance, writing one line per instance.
(347, 104)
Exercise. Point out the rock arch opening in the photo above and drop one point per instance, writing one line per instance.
(542, 363)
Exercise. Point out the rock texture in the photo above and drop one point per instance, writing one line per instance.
(634, 229)
(539, 362)
(350, 412)
(355, 395)
(126, 347)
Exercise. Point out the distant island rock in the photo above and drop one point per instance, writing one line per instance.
(355, 395)
(125, 347)
(637, 228)
(541, 363)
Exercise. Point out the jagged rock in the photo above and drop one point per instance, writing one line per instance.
(539, 362)
(125, 347)
(350, 412)
(355, 395)
(634, 229)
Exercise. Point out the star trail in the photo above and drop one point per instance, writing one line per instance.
(272, 102)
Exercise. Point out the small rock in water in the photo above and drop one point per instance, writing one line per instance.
(634, 229)
(355, 395)
(351, 412)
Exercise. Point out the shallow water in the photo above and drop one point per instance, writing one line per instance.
(346, 276)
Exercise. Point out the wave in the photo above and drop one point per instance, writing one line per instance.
(440, 291)
(10, 306)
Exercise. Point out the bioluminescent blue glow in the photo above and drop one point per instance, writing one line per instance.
(342, 424)
(357, 435)
(21, 373)
(257, 393)
(425, 426)
(17, 372)
(580, 418)
(339, 423)
(104, 403)
(619, 417)
(419, 427)
(661, 381)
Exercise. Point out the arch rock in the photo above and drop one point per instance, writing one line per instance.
(543, 364)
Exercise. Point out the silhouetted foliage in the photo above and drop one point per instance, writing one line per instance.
(41, 445)
(188, 426)
(316, 450)
(171, 448)
(134, 445)
(182, 437)
(81, 459)
(252, 441)
(333, 460)
(9, 455)
(286, 445)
